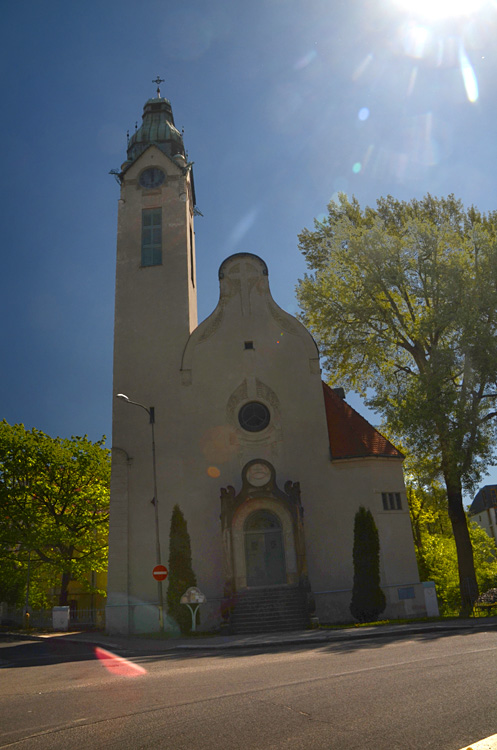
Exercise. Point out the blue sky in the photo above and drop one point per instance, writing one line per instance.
(283, 103)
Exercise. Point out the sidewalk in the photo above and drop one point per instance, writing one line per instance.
(268, 640)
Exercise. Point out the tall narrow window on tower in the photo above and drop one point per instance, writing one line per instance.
(151, 237)
(192, 270)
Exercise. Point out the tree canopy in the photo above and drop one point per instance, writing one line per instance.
(54, 496)
(402, 301)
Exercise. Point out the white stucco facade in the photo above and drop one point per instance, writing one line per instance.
(221, 471)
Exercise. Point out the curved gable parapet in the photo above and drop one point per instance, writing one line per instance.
(244, 295)
(201, 333)
(232, 261)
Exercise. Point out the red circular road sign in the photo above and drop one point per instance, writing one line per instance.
(160, 572)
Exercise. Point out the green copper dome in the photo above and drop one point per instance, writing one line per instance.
(157, 128)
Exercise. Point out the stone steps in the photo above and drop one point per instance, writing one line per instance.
(269, 610)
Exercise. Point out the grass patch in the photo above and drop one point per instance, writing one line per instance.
(406, 621)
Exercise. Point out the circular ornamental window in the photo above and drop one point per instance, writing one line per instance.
(254, 416)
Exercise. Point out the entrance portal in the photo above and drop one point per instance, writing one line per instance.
(264, 553)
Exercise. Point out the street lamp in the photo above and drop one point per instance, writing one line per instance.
(151, 413)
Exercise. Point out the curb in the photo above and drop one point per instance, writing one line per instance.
(309, 637)
(337, 636)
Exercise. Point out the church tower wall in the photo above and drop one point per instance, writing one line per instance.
(155, 312)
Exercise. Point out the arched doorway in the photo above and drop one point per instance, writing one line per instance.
(264, 552)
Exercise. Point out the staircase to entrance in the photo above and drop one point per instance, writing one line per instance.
(272, 609)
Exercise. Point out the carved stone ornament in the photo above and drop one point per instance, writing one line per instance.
(258, 474)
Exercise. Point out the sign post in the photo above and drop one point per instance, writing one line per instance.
(193, 598)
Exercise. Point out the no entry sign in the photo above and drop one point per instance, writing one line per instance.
(160, 572)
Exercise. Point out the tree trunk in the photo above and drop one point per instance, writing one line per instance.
(64, 583)
(468, 585)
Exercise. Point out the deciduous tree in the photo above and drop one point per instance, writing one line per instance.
(54, 497)
(403, 301)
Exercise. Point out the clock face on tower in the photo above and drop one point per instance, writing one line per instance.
(152, 178)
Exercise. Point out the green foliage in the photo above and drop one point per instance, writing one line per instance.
(402, 301)
(434, 542)
(427, 501)
(438, 559)
(54, 495)
(368, 600)
(12, 581)
(181, 575)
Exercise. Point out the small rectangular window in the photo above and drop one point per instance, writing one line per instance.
(249, 345)
(391, 501)
(151, 250)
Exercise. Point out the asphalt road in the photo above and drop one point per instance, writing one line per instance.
(426, 691)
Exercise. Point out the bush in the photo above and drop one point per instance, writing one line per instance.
(181, 575)
(368, 600)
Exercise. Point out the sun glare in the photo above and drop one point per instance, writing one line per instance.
(440, 9)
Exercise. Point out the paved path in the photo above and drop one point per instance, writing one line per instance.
(268, 640)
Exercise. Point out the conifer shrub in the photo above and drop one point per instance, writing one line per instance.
(368, 600)
(181, 575)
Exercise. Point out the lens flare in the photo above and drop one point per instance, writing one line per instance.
(242, 226)
(305, 60)
(416, 39)
(437, 10)
(364, 65)
(118, 665)
(468, 76)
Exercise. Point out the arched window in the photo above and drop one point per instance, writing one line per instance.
(262, 520)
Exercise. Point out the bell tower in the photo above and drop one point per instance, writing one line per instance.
(155, 312)
(156, 301)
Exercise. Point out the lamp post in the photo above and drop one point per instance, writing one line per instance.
(151, 413)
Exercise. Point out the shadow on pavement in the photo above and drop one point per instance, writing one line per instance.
(351, 645)
(16, 652)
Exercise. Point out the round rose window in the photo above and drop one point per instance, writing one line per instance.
(254, 416)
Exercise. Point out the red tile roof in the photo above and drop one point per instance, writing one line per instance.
(351, 436)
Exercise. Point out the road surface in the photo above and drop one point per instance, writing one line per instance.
(425, 691)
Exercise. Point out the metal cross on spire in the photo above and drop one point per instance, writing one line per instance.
(158, 81)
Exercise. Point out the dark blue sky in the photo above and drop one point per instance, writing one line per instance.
(283, 102)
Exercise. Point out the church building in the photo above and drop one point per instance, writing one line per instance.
(229, 419)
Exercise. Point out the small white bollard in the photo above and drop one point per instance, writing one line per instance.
(431, 601)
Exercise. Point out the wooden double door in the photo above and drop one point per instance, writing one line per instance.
(264, 549)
